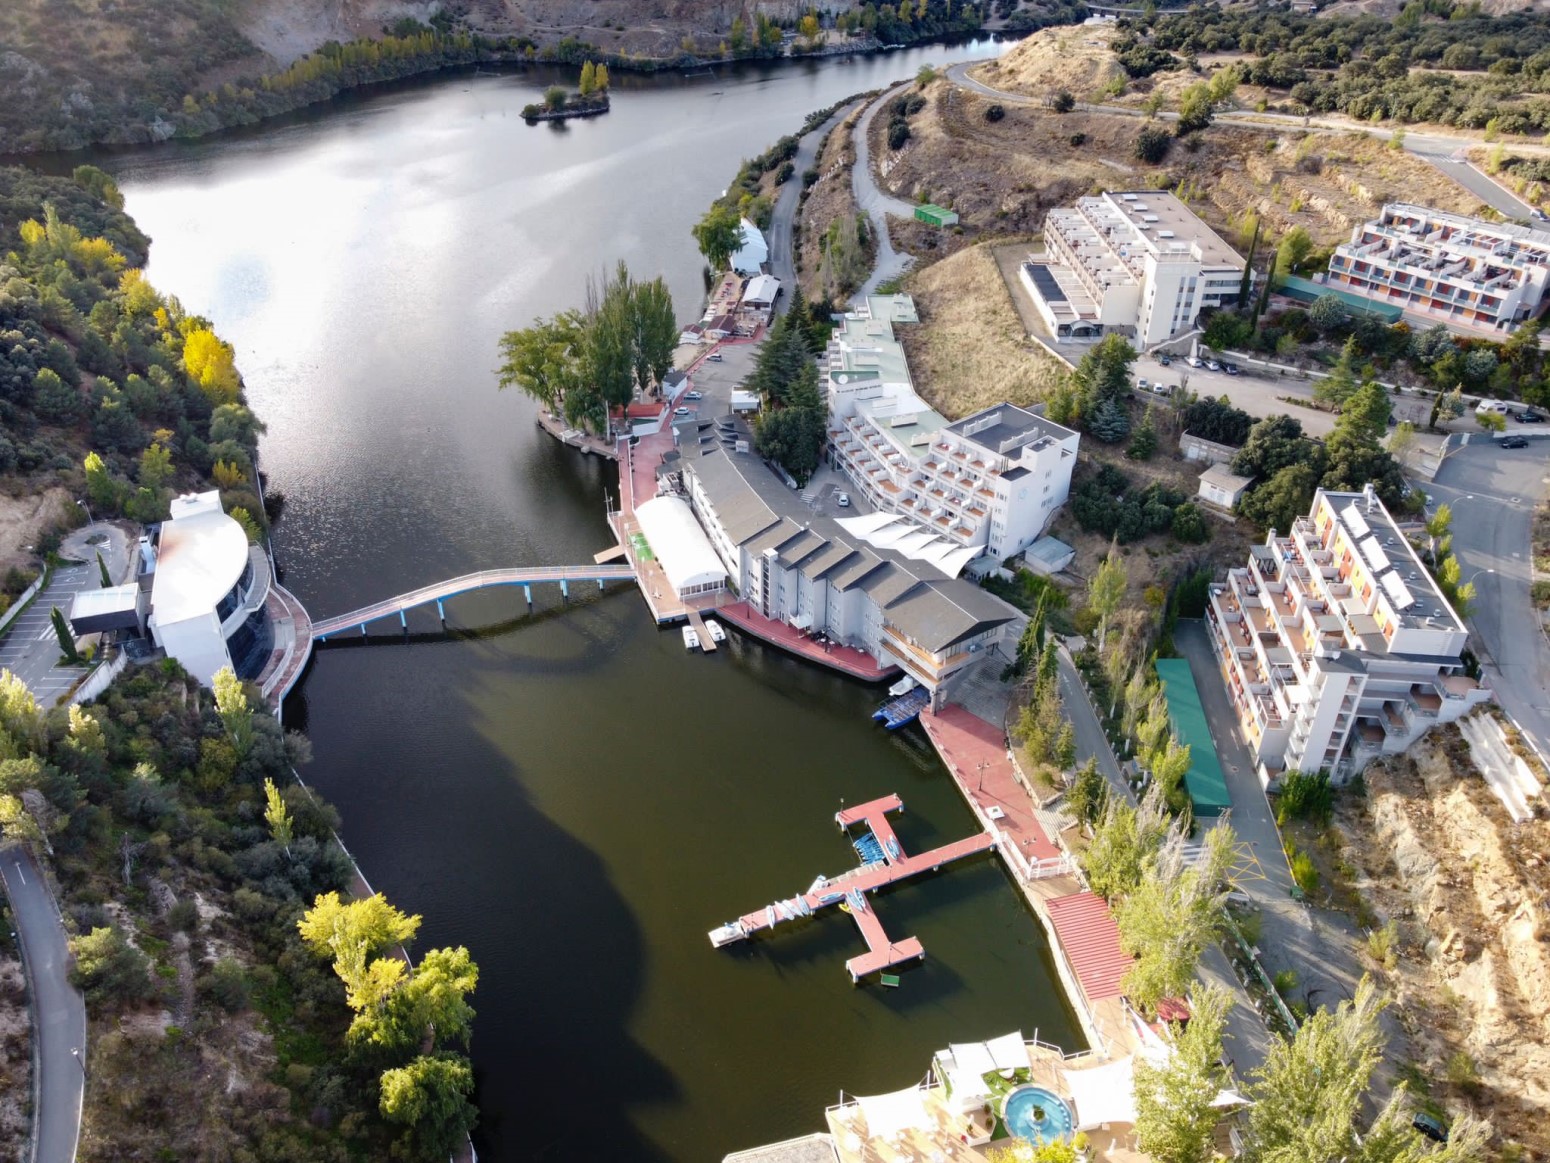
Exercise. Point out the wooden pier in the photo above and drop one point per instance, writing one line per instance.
(707, 643)
(850, 888)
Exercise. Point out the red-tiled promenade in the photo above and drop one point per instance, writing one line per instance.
(846, 659)
(965, 742)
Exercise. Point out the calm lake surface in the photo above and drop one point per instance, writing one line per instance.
(568, 793)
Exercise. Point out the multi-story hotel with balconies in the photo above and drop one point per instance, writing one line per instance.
(1138, 263)
(985, 486)
(1455, 270)
(1335, 643)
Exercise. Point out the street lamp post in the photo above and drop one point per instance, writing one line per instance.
(88, 511)
(983, 764)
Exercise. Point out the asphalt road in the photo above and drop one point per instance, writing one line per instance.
(1492, 492)
(783, 217)
(59, 1013)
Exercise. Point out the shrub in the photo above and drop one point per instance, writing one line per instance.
(1303, 871)
(1152, 145)
(1305, 796)
(1078, 139)
(898, 134)
(1063, 102)
(1380, 945)
(1463, 1073)
(994, 113)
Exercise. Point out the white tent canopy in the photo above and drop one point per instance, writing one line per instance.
(974, 1057)
(888, 1114)
(675, 537)
(1009, 1051)
(1104, 1094)
(891, 531)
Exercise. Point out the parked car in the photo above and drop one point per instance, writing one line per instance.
(1196, 361)
(1485, 406)
(843, 500)
(691, 395)
(680, 411)
(1165, 360)
(1430, 1126)
(1529, 416)
(1512, 442)
(1213, 366)
(1231, 369)
(1142, 384)
(1162, 389)
(714, 357)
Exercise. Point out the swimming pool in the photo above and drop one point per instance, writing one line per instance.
(1036, 1114)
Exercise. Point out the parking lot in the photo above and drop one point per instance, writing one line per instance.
(31, 651)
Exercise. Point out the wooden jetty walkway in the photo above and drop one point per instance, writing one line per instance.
(892, 864)
(441, 591)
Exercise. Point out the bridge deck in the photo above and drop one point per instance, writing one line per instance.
(466, 584)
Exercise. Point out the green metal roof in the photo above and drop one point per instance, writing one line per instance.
(1204, 781)
(1306, 290)
(936, 215)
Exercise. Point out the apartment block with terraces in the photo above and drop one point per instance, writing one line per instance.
(984, 486)
(1335, 643)
(1463, 272)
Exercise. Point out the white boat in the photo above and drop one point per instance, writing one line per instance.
(726, 934)
(691, 639)
(713, 628)
(903, 686)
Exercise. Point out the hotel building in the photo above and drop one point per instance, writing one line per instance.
(1335, 643)
(1140, 264)
(986, 486)
(1446, 267)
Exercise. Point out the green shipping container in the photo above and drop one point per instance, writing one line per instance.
(936, 215)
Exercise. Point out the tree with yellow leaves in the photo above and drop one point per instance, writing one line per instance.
(212, 364)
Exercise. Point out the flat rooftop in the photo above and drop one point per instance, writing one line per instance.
(1003, 428)
(1391, 559)
(1166, 223)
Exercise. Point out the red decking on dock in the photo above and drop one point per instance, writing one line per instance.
(846, 659)
(881, 952)
(869, 811)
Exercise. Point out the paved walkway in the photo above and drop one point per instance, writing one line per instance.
(782, 263)
(58, 1010)
(877, 203)
(846, 659)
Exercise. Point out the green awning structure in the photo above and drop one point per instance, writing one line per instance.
(1204, 781)
(1306, 290)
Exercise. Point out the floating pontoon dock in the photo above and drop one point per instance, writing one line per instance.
(884, 862)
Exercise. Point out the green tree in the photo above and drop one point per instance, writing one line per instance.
(66, 638)
(231, 701)
(1309, 1092)
(1364, 419)
(430, 1098)
(277, 815)
(1170, 917)
(1088, 794)
(1392, 1138)
(1274, 443)
(431, 1004)
(601, 77)
(719, 234)
(1106, 591)
(1195, 106)
(102, 571)
(655, 332)
(1123, 841)
(1328, 313)
(108, 969)
(352, 933)
(1295, 247)
(1103, 373)
(1152, 145)
(1144, 443)
(545, 360)
(102, 490)
(155, 467)
(1491, 421)
(555, 98)
(1337, 387)
(1283, 498)
(1174, 1115)
(53, 399)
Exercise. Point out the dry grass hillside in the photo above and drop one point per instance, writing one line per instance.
(828, 200)
(970, 350)
(1430, 848)
(1074, 58)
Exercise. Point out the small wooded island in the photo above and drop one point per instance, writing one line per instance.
(558, 104)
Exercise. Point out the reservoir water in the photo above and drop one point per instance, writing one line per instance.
(567, 792)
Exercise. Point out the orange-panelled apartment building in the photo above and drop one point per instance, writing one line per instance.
(1461, 271)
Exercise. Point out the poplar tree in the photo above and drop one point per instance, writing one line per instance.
(1174, 1115)
(231, 700)
(277, 816)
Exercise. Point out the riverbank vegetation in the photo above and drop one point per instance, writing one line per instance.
(583, 364)
(186, 854)
(558, 104)
(105, 383)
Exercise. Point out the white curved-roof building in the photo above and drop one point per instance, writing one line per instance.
(208, 586)
(681, 546)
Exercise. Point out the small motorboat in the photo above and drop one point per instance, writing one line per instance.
(903, 686)
(726, 934)
(713, 628)
(691, 639)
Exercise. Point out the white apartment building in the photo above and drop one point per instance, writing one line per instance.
(810, 573)
(1446, 267)
(1137, 263)
(1335, 643)
(985, 486)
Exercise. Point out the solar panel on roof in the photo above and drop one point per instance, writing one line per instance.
(1354, 518)
(1397, 591)
(1374, 554)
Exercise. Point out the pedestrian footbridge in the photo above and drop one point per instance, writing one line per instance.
(527, 578)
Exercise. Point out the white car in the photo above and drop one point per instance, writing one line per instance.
(1196, 361)
(680, 411)
(1485, 406)
(693, 395)
(843, 500)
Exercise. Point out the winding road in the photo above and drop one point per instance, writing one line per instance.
(58, 1010)
(783, 217)
(877, 203)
